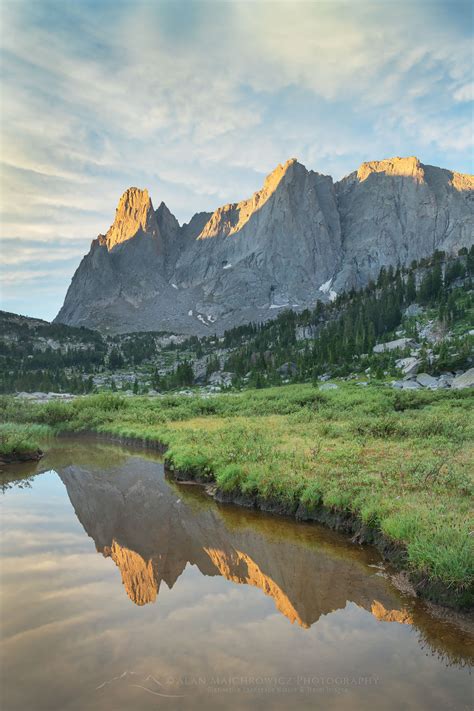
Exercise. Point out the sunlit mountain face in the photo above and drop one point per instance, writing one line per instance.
(301, 238)
(198, 102)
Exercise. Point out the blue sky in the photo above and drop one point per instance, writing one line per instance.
(198, 101)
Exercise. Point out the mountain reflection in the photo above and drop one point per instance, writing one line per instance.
(152, 530)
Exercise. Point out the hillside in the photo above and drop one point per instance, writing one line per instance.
(423, 313)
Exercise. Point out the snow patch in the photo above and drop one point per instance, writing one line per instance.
(227, 266)
(202, 319)
(174, 286)
(278, 306)
(211, 318)
(190, 312)
(324, 288)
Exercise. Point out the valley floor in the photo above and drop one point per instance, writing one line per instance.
(399, 462)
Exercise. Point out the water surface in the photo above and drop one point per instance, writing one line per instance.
(121, 589)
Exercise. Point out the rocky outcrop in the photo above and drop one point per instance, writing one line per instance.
(300, 238)
(398, 344)
(464, 380)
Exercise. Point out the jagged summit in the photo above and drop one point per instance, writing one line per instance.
(403, 167)
(134, 214)
(300, 238)
(412, 167)
(277, 174)
(231, 218)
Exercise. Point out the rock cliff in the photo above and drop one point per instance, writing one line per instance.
(300, 238)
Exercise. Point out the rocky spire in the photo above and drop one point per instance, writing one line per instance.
(134, 214)
(166, 220)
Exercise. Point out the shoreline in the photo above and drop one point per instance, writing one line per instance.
(342, 520)
(25, 456)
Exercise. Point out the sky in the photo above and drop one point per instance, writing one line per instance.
(197, 101)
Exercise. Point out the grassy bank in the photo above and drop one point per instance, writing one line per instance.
(22, 441)
(400, 461)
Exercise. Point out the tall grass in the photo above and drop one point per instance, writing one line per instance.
(20, 438)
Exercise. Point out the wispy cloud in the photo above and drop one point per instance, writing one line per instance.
(198, 100)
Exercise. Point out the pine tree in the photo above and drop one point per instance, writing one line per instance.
(410, 290)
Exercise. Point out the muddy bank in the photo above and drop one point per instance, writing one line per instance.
(436, 591)
(26, 456)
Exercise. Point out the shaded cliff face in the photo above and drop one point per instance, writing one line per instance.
(394, 211)
(271, 251)
(298, 239)
(152, 531)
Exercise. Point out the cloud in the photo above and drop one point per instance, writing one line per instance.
(465, 92)
(198, 101)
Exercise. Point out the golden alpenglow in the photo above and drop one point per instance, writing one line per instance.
(229, 219)
(302, 238)
(134, 214)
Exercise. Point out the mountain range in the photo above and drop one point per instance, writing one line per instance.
(301, 238)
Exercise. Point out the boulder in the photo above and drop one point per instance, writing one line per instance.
(409, 366)
(328, 386)
(446, 378)
(222, 379)
(466, 380)
(413, 310)
(288, 369)
(399, 343)
(427, 381)
(411, 385)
